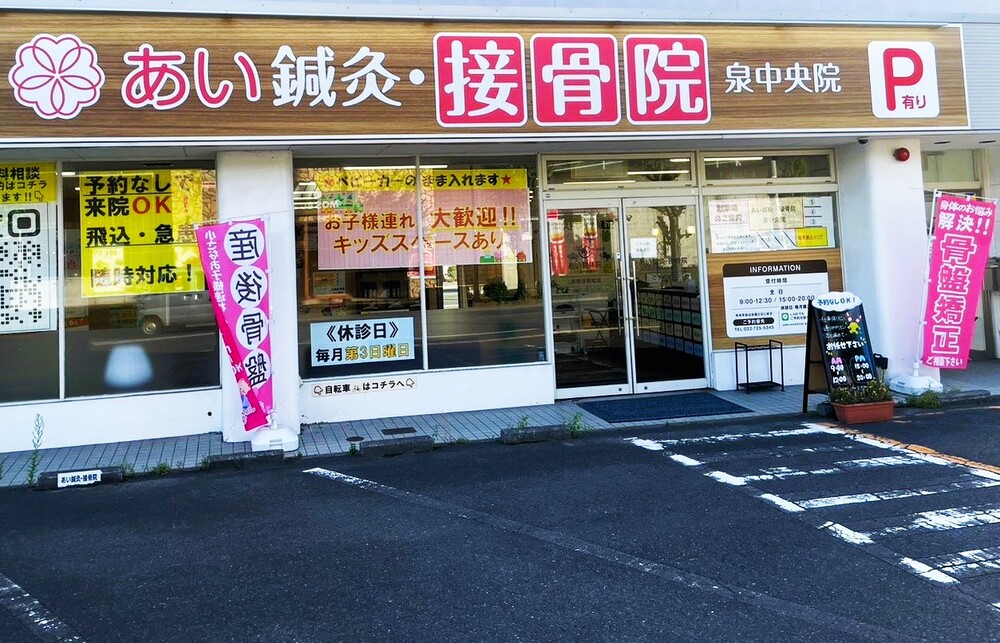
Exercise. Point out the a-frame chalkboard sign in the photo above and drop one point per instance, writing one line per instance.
(838, 348)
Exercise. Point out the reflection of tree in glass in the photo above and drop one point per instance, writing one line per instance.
(668, 221)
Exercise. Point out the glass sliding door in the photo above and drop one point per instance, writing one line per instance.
(585, 264)
(626, 301)
(664, 279)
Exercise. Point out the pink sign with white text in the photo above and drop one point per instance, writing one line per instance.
(963, 230)
(234, 257)
(368, 218)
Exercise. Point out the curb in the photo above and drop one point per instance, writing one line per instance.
(397, 446)
(240, 460)
(49, 480)
(919, 448)
(524, 435)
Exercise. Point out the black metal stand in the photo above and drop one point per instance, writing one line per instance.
(757, 385)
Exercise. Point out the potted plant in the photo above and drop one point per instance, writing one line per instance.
(872, 402)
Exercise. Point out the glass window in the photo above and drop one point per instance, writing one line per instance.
(29, 261)
(951, 166)
(137, 312)
(482, 290)
(730, 166)
(358, 260)
(770, 221)
(367, 268)
(599, 172)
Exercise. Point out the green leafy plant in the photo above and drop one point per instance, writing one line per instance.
(353, 449)
(36, 449)
(522, 423)
(161, 469)
(205, 464)
(576, 425)
(128, 469)
(926, 400)
(874, 391)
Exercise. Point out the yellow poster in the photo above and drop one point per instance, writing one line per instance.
(27, 183)
(137, 232)
(812, 238)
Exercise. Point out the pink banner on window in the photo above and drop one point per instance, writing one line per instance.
(469, 217)
(234, 257)
(963, 230)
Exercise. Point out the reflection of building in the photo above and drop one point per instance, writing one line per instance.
(391, 195)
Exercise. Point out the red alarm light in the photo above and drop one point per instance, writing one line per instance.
(901, 154)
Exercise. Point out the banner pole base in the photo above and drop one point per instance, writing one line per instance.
(274, 437)
(915, 384)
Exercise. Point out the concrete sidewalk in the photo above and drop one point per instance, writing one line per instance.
(191, 452)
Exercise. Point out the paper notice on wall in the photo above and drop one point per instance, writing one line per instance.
(28, 268)
(775, 223)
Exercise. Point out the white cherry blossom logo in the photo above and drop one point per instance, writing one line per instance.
(57, 76)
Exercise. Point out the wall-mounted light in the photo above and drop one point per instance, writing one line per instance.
(901, 154)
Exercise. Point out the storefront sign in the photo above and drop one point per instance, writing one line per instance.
(838, 338)
(364, 386)
(28, 268)
(70, 76)
(234, 256)
(78, 478)
(904, 79)
(776, 223)
(361, 341)
(764, 299)
(27, 183)
(367, 218)
(137, 231)
(963, 229)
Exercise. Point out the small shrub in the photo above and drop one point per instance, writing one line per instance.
(161, 469)
(576, 425)
(36, 445)
(353, 449)
(926, 400)
(128, 470)
(522, 423)
(204, 464)
(874, 391)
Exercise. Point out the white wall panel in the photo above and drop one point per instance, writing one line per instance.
(434, 392)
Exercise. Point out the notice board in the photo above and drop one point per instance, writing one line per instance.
(838, 347)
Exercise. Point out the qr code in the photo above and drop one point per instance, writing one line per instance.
(27, 268)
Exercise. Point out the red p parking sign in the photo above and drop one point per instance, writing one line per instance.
(904, 80)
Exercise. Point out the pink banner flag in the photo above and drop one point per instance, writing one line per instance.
(963, 230)
(234, 257)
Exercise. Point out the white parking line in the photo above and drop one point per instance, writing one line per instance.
(944, 569)
(43, 623)
(894, 494)
(667, 572)
(943, 520)
(973, 562)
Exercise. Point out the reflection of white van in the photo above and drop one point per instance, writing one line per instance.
(157, 312)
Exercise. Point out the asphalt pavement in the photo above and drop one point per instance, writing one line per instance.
(686, 532)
